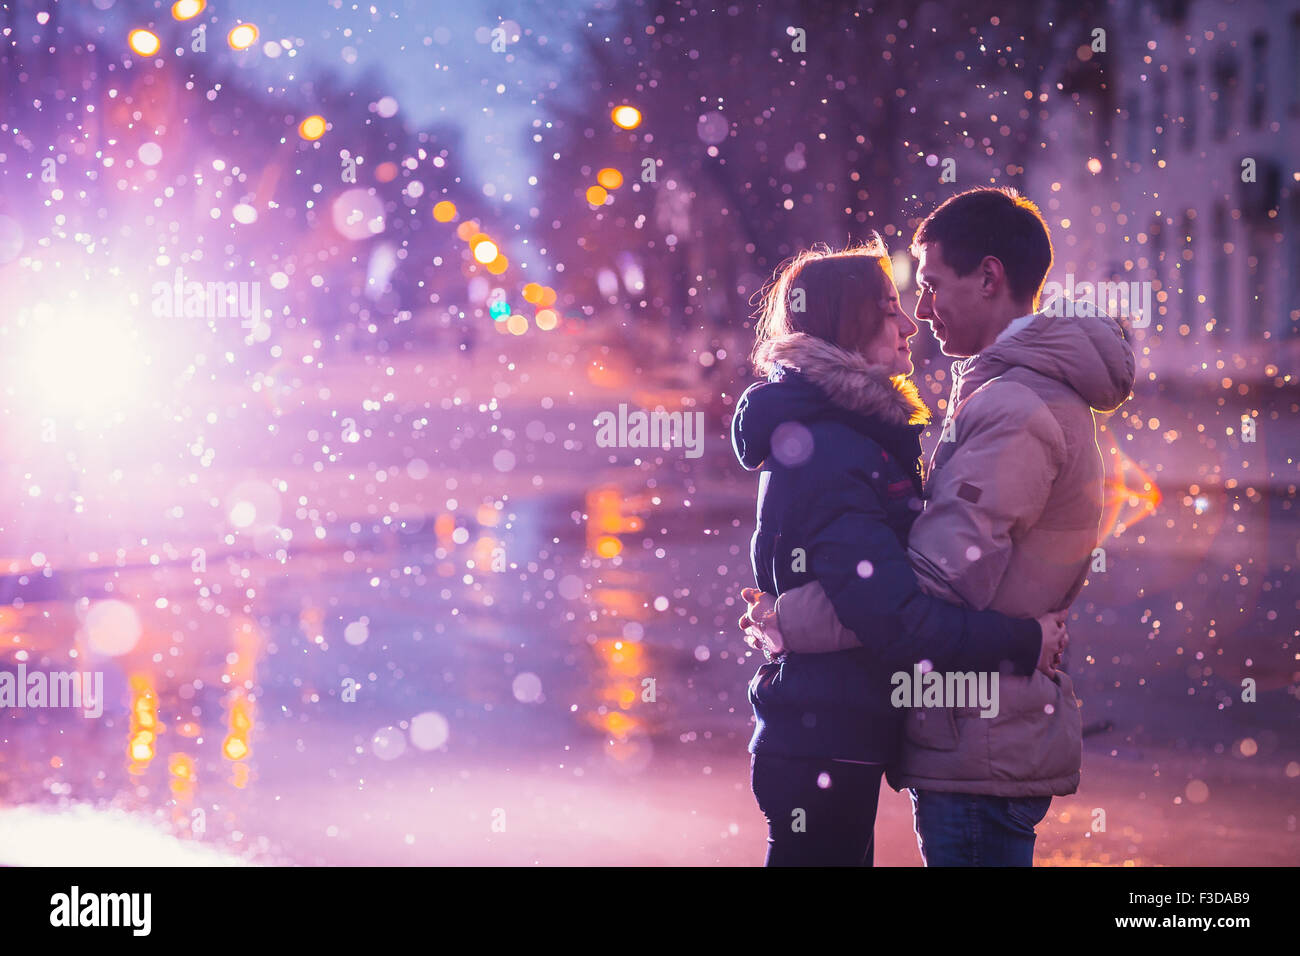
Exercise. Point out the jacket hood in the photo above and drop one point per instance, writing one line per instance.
(1090, 354)
(814, 379)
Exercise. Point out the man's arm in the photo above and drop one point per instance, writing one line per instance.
(995, 484)
(808, 622)
(872, 589)
(997, 479)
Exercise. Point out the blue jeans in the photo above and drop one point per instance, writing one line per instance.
(975, 829)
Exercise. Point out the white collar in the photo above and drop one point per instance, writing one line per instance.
(1015, 325)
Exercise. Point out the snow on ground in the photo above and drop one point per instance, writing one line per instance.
(82, 835)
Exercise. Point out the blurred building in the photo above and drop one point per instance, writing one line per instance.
(1150, 186)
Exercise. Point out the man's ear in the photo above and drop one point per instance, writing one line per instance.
(993, 276)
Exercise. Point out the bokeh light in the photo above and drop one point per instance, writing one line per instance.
(626, 117)
(312, 128)
(242, 36)
(143, 42)
(188, 9)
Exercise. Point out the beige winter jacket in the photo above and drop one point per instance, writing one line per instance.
(1014, 497)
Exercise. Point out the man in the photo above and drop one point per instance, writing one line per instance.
(1012, 514)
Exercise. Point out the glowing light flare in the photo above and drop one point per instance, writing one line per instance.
(596, 195)
(385, 172)
(235, 747)
(1130, 493)
(82, 361)
(618, 724)
(498, 265)
(623, 658)
(188, 9)
(610, 178)
(180, 768)
(546, 319)
(484, 249)
(626, 117)
(532, 292)
(143, 42)
(242, 36)
(444, 211)
(112, 628)
(517, 324)
(547, 297)
(312, 128)
(144, 724)
(467, 230)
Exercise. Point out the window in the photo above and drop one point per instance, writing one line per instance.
(1225, 82)
(1188, 138)
(1159, 122)
(1291, 312)
(1157, 244)
(1259, 77)
(1133, 143)
(1259, 321)
(1295, 62)
(1221, 264)
(1186, 271)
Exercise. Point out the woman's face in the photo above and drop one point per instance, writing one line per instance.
(891, 345)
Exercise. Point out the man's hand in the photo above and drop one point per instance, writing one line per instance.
(762, 631)
(1055, 638)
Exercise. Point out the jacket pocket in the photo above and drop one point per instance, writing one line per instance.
(1039, 735)
(934, 728)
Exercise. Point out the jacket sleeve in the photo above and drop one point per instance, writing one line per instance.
(1009, 448)
(808, 622)
(874, 592)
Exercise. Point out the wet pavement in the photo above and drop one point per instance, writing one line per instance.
(531, 657)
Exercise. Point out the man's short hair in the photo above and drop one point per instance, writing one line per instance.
(995, 222)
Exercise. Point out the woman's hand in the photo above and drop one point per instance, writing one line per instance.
(1055, 638)
(762, 630)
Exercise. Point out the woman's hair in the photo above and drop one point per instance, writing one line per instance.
(824, 293)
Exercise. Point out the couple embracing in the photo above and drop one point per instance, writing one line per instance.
(869, 569)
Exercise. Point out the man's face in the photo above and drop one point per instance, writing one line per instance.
(951, 304)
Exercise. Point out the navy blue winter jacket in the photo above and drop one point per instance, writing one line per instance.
(840, 486)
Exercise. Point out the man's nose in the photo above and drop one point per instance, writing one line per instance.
(923, 306)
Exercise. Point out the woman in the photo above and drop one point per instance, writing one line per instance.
(836, 432)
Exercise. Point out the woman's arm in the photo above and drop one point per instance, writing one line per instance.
(874, 593)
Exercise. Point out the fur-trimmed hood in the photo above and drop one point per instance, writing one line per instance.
(848, 379)
(813, 380)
